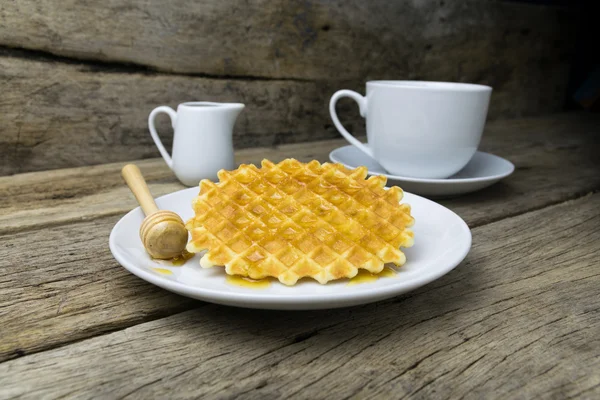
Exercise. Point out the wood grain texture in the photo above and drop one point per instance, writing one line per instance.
(62, 284)
(59, 115)
(555, 156)
(518, 319)
(317, 39)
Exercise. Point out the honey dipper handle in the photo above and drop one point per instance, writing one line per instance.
(132, 175)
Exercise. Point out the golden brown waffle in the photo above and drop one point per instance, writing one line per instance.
(293, 220)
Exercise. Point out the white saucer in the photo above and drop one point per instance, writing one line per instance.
(442, 241)
(483, 170)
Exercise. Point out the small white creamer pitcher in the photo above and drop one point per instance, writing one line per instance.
(202, 141)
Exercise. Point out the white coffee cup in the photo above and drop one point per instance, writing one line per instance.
(203, 139)
(419, 129)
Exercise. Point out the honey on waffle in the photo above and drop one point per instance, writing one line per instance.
(293, 220)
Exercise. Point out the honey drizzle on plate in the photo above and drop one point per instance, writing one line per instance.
(177, 261)
(365, 276)
(182, 259)
(248, 282)
(163, 271)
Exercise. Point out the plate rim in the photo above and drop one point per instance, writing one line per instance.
(356, 296)
(510, 169)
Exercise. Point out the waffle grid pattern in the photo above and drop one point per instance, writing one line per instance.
(293, 220)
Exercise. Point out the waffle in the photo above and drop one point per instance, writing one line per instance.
(293, 220)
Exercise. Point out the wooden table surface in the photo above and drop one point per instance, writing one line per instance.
(519, 318)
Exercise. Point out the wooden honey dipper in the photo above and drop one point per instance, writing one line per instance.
(162, 232)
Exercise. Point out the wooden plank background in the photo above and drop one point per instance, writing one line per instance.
(78, 78)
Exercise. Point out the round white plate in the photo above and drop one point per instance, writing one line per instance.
(442, 241)
(483, 170)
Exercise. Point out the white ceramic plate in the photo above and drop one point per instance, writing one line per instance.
(442, 241)
(483, 170)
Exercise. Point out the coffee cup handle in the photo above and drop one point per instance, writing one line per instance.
(173, 115)
(362, 106)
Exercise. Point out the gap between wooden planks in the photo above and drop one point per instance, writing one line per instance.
(518, 318)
